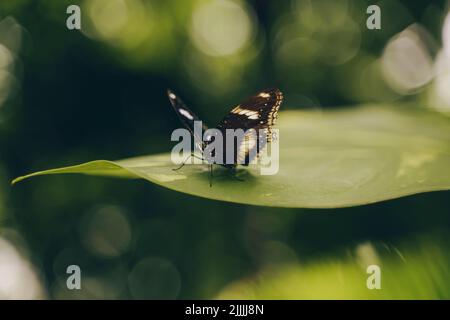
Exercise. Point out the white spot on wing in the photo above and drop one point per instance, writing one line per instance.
(172, 96)
(264, 95)
(186, 113)
(236, 110)
(251, 114)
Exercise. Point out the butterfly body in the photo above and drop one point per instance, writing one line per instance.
(253, 118)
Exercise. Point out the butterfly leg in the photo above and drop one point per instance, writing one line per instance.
(184, 162)
(210, 175)
(233, 172)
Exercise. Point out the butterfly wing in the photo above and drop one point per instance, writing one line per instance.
(258, 112)
(186, 116)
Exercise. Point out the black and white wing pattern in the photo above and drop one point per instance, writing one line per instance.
(186, 116)
(258, 112)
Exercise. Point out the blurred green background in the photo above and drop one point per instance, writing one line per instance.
(72, 96)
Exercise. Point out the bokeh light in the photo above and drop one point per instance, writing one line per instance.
(110, 283)
(366, 255)
(439, 96)
(364, 81)
(11, 34)
(221, 27)
(139, 34)
(100, 93)
(18, 278)
(106, 232)
(5, 57)
(317, 32)
(10, 41)
(223, 44)
(110, 18)
(446, 35)
(406, 62)
(440, 93)
(154, 278)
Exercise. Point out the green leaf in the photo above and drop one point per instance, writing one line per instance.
(328, 159)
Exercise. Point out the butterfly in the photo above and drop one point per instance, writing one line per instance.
(258, 112)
